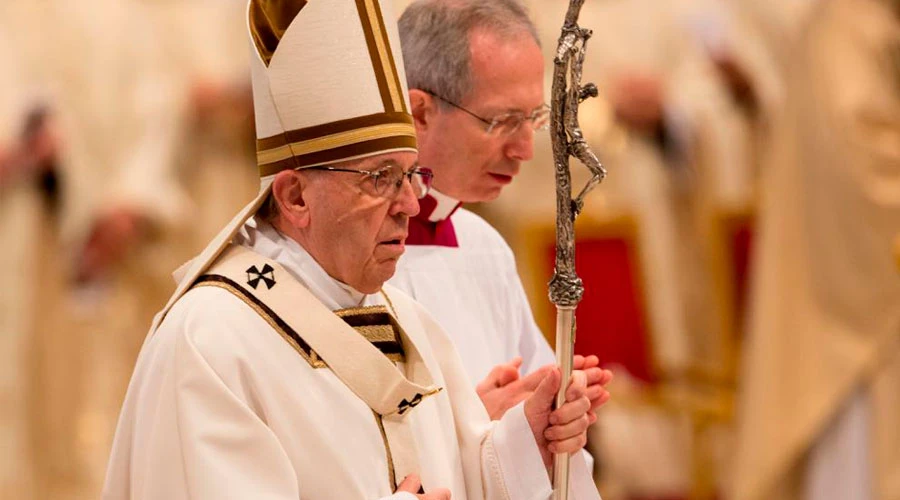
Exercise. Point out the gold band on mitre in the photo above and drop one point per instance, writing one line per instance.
(336, 141)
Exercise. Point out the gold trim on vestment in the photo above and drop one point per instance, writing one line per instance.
(377, 333)
(395, 357)
(390, 304)
(312, 358)
(358, 311)
(392, 475)
(383, 337)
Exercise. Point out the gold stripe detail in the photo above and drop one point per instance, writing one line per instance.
(392, 476)
(384, 51)
(274, 168)
(316, 131)
(312, 358)
(371, 333)
(392, 75)
(390, 304)
(395, 357)
(380, 54)
(334, 141)
(356, 311)
(372, 47)
(379, 333)
(360, 150)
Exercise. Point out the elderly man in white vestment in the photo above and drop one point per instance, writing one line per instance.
(281, 368)
(476, 78)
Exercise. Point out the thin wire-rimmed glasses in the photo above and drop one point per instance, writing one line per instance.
(388, 180)
(506, 123)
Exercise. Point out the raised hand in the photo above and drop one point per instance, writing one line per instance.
(504, 388)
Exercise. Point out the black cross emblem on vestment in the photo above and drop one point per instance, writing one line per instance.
(267, 275)
(406, 405)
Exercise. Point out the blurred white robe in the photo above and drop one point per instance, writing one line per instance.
(21, 211)
(822, 358)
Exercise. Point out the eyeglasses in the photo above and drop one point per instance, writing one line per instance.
(507, 123)
(387, 181)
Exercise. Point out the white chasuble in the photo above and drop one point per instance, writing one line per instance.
(226, 403)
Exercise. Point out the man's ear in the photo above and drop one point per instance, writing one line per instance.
(424, 107)
(288, 189)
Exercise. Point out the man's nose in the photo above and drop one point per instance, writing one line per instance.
(406, 201)
(520, 145)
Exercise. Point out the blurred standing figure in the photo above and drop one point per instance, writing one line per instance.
(205, 149)
(124, 110)
(21, 213)
(206, 53)
(821, 375)
(109, 104)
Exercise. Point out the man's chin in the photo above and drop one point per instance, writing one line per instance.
(488, 194)
(480, 193)
(379, 276)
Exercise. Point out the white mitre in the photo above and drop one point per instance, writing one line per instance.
(328, 86)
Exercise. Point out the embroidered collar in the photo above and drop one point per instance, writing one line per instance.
(437, 206)
(433, 226)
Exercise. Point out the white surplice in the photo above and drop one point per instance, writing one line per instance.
(471, 285)
(220, 406)
(474, 291)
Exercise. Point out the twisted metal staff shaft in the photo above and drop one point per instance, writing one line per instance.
(566, 287)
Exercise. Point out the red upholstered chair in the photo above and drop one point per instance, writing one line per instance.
(612, 316)
(612, 322)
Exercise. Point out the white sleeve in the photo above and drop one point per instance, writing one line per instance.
(532, 345)
(523, 468)
(228, 451)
